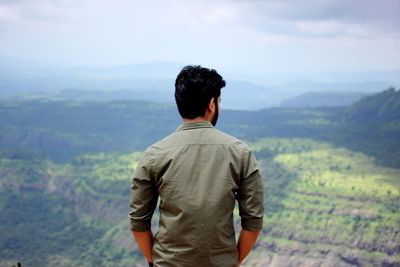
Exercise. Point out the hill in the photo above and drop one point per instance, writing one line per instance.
(64, 215)
(372, 126)
(27, 80)
(380, 108)
(326, 206)
(323, 99)
(65, 129)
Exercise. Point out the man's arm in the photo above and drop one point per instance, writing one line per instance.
(145, 243)
(251, 208)
(144, 197)
(246, 241)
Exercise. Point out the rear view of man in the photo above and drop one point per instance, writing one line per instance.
(198, 172)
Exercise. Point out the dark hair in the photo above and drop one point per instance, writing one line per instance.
(194, 88)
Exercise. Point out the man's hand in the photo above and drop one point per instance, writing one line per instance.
(246, 241)
(145, 243)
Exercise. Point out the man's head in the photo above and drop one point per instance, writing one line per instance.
(195, 87)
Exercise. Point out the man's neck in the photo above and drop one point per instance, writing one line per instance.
(197, 119)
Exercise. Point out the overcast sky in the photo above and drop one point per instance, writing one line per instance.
(273, 36)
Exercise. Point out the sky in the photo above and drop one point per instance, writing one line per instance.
(281, 36)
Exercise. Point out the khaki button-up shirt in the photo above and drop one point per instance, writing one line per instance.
(197, 172)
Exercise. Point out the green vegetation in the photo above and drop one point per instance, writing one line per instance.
(66, 215)
(333, 203)
(63, 130)
(323, 203)
(330, 197)
(35, 223)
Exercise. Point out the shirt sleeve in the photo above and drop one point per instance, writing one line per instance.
(143, 195)
(251, 194)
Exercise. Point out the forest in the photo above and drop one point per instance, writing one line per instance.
(331, 177)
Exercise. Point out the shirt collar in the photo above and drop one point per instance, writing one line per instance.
(195, 125)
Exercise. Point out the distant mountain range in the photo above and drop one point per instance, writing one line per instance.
(21, 79)
(323, 99)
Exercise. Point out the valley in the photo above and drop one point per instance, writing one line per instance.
(332, 191)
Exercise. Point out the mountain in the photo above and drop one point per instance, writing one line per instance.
(241, 95)
(323, 99)
(380, 108)
(307, 86)
(154, 81)
(65, 129)
(375, 118)
(238, 95)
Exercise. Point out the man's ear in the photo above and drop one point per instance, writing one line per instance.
(211, 106)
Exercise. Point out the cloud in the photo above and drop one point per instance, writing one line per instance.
(310, 18)
(30, 16)
(328, 17)
(343, 10)
(257, 34)
(328, 28)
(8, 14)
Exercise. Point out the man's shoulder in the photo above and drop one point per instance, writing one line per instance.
(225, 138)
(211, 136)
(158, 144)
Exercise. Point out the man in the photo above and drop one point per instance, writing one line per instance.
(197, 172)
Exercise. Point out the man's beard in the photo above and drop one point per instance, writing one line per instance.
(215, 119)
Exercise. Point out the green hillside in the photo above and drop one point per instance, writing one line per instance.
(335, 207)
(378, 108)
(63, 130)
(323, 204)
(65, 215)
(37, 224)
(372, 126)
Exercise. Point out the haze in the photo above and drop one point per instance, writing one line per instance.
(70, 44)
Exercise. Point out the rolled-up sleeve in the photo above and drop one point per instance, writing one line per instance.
(251, 194)
(143, 195)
